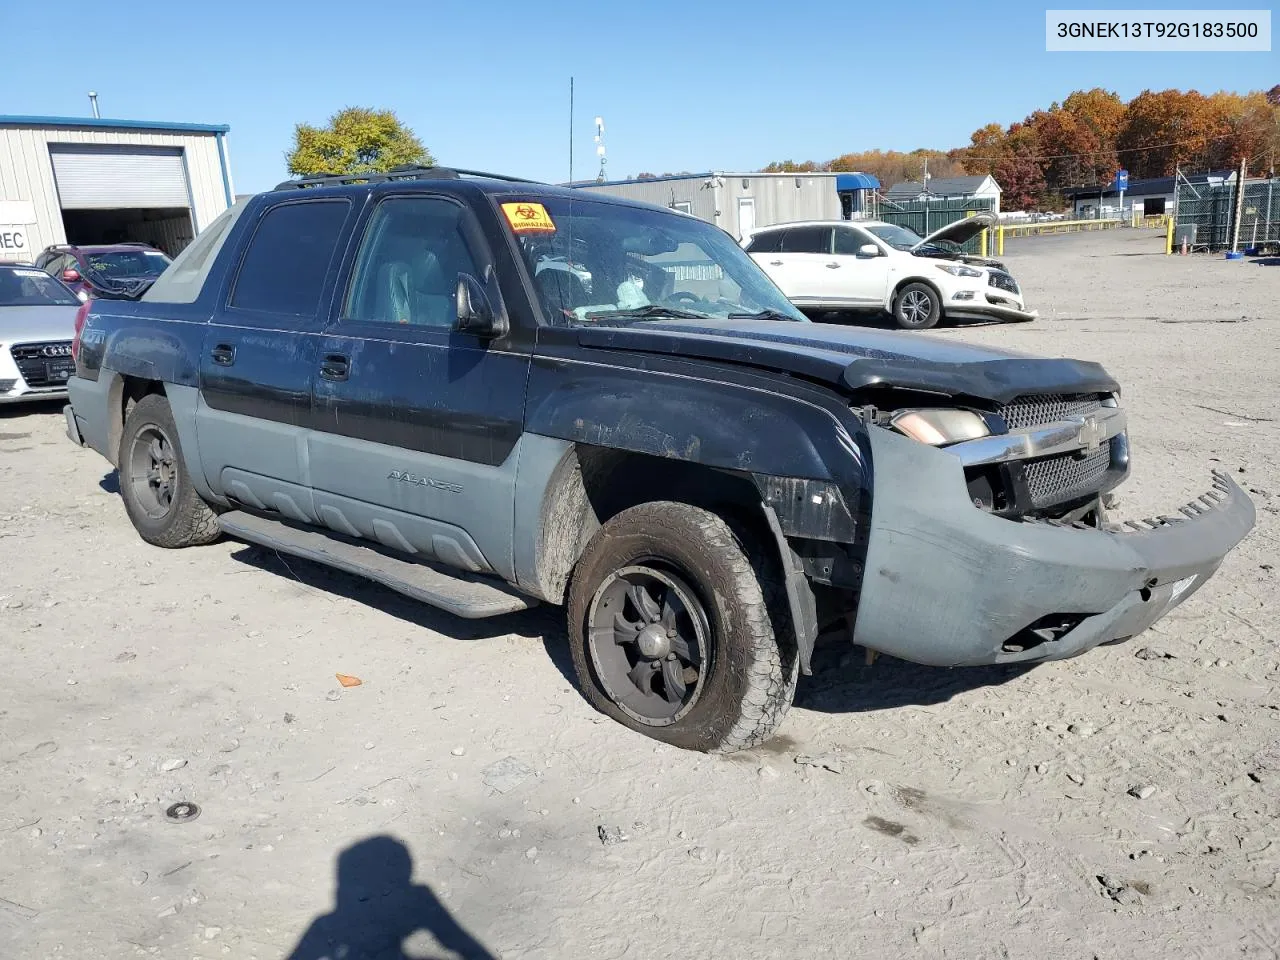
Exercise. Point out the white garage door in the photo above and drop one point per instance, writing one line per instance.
(104, 177)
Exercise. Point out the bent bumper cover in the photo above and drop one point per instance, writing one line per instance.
(979, 310)
(948, 584)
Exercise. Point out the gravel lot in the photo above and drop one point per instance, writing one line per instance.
(905, 811)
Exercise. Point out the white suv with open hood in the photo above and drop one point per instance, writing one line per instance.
(872, 265)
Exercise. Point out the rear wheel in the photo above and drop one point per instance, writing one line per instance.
(917, 307)
(678, 634)
(156, 489)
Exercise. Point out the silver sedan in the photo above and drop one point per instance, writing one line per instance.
(37, 325)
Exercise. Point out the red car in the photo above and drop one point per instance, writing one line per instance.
(103, 269)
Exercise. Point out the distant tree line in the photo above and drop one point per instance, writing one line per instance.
(1084, 139)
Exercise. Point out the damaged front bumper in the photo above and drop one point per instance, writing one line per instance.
(948, 584)
(978, 310)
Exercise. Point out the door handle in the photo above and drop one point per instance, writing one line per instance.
(833, 266)
(335, 367)
(775, 263)
(224, 354)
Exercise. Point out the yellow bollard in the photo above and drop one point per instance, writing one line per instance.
(1168, 237)
(1000, 241)
(983, 247)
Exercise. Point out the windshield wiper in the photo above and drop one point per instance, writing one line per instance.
(653, 311)
(767, 314)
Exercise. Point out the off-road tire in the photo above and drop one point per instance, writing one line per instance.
(910, 294)
(189, 521)
(754, 665)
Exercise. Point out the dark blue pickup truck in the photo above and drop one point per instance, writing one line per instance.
(488, 393)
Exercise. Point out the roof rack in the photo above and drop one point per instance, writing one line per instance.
(403, 172)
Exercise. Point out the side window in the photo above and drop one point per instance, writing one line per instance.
(408, 265)
(53, 266)
(812, 239)
(284, 269)
(768, 242)
(849, 239)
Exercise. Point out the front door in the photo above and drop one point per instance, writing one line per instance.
(862, 278)
(259, 356)
(746, 216)
(416, 425)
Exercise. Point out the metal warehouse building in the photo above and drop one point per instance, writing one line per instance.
(743, 202)
(89, 180)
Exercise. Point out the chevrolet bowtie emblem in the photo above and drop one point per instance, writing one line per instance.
(1091, 434)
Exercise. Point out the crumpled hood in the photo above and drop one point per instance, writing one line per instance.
(36, 324)
(856, 359)
(961, 230)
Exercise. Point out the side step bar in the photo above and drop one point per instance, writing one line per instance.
(459, 593)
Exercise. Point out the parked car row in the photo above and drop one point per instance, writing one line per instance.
(39, 303)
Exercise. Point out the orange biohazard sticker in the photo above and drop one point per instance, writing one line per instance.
(528, 218)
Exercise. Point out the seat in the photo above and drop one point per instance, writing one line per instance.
(561, 291)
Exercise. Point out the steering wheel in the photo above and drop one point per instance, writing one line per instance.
(684, 296)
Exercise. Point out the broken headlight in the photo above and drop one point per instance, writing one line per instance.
(940, 427)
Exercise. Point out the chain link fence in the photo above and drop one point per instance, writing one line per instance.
(1206, 215)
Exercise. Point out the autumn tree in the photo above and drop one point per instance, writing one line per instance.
(355, 140)
(1066, 147)
(1102, 113)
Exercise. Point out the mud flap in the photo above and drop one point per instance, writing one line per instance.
(800, 600)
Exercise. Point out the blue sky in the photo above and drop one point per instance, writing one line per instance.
(682, 85)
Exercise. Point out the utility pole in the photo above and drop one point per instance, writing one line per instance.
(571, 129)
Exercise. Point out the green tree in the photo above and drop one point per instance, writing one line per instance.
(355, 140)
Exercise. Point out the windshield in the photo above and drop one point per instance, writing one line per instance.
(596, 261)
(26, 287)
(126, 264)
(900, 238)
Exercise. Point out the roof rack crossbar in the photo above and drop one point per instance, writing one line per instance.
(404, 172)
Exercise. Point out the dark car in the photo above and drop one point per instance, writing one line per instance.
(104, 269)
(399, 377)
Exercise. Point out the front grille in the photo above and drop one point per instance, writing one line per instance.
(1033, 411)
(1066, 477)
(44, 364)
(1003, 281)
(1062, 478)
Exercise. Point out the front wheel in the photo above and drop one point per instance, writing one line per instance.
(163, 506)
(917, 307)
(676, 632)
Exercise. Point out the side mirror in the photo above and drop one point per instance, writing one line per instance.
(475, 313)
(70, 275)
(868, 250)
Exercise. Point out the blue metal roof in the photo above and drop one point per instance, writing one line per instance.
(856, 181)
(21, 121)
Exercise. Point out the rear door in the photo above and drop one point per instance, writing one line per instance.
(260, 354)
(416, 424)
(806, 256)
(792, 257)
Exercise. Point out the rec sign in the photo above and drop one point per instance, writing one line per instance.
(13, 242)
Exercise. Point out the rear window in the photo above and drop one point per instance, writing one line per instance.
(29, 287)
(285, 266)
(126, 264)
(770, 242)
(807, 240)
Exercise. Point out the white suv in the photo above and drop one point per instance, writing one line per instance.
(872, 265)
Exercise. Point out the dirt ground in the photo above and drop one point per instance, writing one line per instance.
(905, 811)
